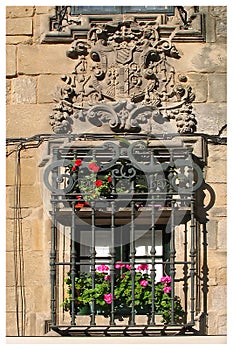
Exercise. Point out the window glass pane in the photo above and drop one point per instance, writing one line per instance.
(149, 9)
(76, 10)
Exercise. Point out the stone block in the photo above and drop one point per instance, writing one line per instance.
(31, 324)
(222, 324)
(24, 90)
(19, 11)
(25, 212)
(218, 211)
(30, 196)
(41, 277)
(8, 91)
(212, 234)
(211, 117)
(220, 14)
(217, 88)
(199, 85)
(212, 322)
(41, 296)
(29, 153)
(11, 67)
(217, 153)
(10, 266)
(19, 26)
(28, 168)
(44, 59)
(220, 190)
(29, 171)
(216, 172)
(217, 262)
(221, 275)
(41, 26)
(10, 300)
(11, 329)
(45, 9)
(222, 234)
(12, 236)
(37, 235)
(9, 235)
(210, 28)
(27, 120)
(48, 85)
(217, 298)
(201, 58)
(15, 40)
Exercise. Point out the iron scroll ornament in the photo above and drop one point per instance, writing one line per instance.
(181, 178)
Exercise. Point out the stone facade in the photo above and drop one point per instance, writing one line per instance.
(33, 76)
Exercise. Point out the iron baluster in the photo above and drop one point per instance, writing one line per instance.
(112, 266)
(152, 253)
(73, 258)
(205, 279)
(132, 263)
(172, 260)
(93, 255)
(53, 244)
(53, 265)
(185, 272)
(192, 257)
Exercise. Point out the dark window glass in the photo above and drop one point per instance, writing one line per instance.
(76, 10)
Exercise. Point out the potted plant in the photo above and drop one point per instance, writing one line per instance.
(85, 294)
(91, 185)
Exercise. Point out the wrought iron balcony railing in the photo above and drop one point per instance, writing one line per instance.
(131, 253)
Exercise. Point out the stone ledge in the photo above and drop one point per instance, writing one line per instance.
(222, 339)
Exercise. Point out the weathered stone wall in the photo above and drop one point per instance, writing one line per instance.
(33, 74)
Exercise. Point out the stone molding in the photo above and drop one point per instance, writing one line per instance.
(65, 27)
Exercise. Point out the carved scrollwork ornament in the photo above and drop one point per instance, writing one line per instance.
(124, 77)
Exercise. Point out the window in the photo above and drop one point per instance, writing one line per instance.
(131, 237)
(76, 10)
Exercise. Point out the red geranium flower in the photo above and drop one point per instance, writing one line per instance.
(109, 179)
(93, 167)
(78, 162)
(79, 205)
(98, 183)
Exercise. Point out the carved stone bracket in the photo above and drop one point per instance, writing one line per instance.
(124, 76)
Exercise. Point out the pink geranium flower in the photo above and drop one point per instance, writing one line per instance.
(166, 279)
(128, 267)
(167, 290)
(143, 283)
(142, 267)
(102, 268)
(107, 278)
(119, 265)
(108, 298)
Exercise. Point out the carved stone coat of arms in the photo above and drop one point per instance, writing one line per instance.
(123, 76)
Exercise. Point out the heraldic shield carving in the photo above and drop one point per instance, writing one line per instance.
(124, 77)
